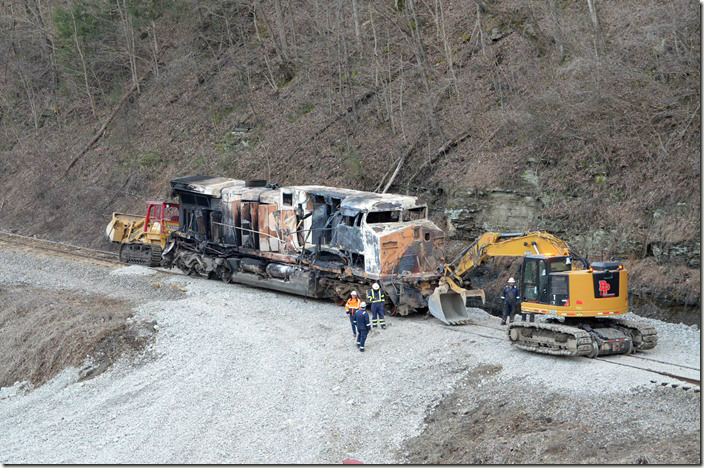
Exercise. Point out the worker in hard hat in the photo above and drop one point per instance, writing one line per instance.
(361, 318)
(510, 297)
(351, 307)
(375, 297)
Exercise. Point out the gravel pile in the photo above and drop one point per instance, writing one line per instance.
(244, 375)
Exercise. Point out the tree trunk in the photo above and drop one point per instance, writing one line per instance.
(599, 38)
(422, 64)
(83, 62)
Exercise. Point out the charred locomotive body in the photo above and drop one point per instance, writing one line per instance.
(310, 240)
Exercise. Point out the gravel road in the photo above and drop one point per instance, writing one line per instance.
(243, 375)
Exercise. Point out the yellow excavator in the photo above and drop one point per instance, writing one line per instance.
(585, 299)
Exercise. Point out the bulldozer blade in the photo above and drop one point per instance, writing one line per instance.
(448, 306)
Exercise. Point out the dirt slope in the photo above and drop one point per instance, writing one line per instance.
(595, 127)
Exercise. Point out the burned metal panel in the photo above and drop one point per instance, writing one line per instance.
(246, 223)
(231, 219)
(254, 216)
(268, 224)
(349, 238)
(270, 197)
(372, 253)
(321, 213)
(399, 251)
(252, 193)
(287, 230)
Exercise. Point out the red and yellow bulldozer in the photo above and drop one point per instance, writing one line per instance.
(143, 238)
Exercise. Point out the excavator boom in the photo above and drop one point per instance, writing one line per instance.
(447, 302)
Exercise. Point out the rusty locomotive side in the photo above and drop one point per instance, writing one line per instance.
(314, 241)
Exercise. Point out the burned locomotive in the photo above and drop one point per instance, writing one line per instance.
(313, 241)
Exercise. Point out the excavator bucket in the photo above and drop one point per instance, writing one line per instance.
(448, 306)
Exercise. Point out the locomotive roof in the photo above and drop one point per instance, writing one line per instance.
(358, 200)
(205, 184)
(352, 200)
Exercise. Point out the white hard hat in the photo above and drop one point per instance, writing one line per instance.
(375, 286)
(363, 304)
(511, 280)
(354, 293)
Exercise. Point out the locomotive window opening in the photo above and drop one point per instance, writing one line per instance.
(202, 201)
(348, 220)
(426, 236)
(358, 219)
(383, 217)
(288, 199)
(414, 214)
(187, 199)
(358, 260)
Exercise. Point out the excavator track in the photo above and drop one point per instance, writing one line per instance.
(550, 338)
(583, 337)
(644, 336)
(140, 254)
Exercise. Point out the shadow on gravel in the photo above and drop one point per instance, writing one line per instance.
(45, 331)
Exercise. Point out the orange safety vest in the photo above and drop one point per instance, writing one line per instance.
(352, 303)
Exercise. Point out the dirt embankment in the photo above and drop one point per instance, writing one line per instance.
(43, 331)
(526, 100)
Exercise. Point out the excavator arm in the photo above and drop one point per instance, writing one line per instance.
(494, 244)
(447, 302)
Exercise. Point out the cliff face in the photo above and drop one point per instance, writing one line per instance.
(503, 115)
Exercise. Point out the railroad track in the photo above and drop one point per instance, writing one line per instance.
(687, 374)
(58, 247)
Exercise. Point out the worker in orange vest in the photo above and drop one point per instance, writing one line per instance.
(351, 307)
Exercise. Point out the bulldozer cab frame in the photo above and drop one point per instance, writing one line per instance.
(163, 213)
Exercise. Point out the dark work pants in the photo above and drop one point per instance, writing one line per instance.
(377, 313)
(361, 337)
(354, 325)
(509, 312)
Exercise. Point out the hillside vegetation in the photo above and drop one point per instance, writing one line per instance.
(588, 109)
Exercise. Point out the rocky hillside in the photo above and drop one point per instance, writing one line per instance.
(579, 117)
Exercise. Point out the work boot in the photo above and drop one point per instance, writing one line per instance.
(503, 322)
(383, 327)
(361, 348)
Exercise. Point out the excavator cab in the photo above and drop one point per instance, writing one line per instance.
(544, 279)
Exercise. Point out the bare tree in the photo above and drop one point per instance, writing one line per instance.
(83, 63)
(598, 35)
(129, 41)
